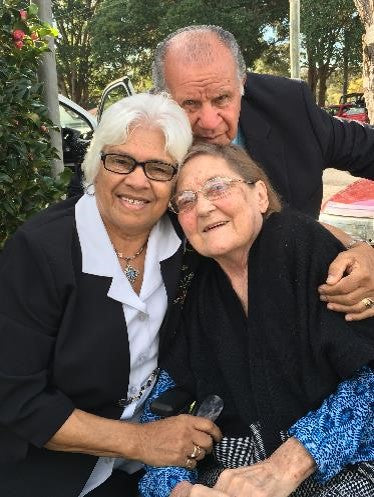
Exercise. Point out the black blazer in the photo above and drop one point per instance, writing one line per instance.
(294, 140)
(63, 345)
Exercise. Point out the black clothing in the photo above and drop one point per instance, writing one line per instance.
(290, 353)
(294, 140)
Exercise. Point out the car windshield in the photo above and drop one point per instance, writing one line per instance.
(71, 119)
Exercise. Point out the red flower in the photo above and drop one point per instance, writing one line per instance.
(19, 44)
(23, 14)
(34, 36)
(18, 35)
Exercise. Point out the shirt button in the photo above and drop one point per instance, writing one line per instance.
(142, 317)
(142, 358)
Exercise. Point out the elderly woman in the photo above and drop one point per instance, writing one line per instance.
(256, 334)
(84, 288)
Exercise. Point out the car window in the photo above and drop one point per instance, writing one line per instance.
(71, 119)
(113, 97)
(354, 110)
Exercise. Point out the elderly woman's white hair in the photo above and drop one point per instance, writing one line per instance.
(158, 111)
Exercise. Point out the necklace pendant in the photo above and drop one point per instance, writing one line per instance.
(131, 273)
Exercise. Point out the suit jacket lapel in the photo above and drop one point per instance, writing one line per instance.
(264, 146)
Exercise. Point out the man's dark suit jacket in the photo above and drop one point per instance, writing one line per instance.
(294, 140)
(63, 345)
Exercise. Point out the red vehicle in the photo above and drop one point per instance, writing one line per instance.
(352, 210)
(351, 107)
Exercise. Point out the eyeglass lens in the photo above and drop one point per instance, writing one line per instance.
(212, 190)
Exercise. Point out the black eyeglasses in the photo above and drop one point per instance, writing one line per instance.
(214, 189)
(155, 170)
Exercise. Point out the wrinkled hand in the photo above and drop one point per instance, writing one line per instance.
(171, 441)
(185, 489)
(345, 293)
(260, 480)
(277, 476)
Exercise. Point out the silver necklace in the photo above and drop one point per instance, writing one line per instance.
(131, 272)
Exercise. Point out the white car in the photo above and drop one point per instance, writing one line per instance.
(77, 125)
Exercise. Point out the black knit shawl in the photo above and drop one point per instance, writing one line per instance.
(291, 351)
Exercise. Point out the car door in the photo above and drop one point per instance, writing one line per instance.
(77, 127)
(114, 91)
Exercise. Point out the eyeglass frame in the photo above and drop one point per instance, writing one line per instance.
(141, 164)
(201, 190)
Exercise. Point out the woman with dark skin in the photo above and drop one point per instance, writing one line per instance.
(84, 288)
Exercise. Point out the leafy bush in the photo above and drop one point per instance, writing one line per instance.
(26, 154)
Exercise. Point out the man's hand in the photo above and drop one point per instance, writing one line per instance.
(350, 280)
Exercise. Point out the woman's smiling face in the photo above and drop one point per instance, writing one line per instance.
(224, 228)
(132, 203)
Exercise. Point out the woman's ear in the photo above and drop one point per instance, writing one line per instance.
(262, 196)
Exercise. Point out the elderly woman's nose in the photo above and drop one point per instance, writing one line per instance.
(203, 205)
(137, 178)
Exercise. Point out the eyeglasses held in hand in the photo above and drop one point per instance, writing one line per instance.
(214, 189)
(125, 164)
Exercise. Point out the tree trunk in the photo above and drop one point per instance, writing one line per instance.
(323, 74)
(366, 10)
(345, 64)
(312, 75)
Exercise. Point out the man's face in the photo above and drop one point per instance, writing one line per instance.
(210, 93)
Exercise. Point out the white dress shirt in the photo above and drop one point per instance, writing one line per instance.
(143, 313)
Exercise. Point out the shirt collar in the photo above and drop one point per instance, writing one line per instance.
(99, 258)
(239, 138)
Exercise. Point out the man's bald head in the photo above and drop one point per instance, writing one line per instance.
(195, 45)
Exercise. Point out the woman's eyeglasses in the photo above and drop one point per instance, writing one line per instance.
(125, 164)
(214, 189)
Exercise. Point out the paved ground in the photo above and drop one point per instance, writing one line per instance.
(334, 180)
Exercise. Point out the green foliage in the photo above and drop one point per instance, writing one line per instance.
(331, 36)
(26, 185)
(126, 32)
(75, 64)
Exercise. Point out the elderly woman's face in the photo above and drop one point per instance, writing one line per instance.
(225, 227)
(131, 203)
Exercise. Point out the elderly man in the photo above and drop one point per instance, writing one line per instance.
(278, 122)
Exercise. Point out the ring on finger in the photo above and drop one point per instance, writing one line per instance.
(189, 463)
(196, 452)
(368, 302)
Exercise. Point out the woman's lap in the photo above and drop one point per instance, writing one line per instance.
(120, 484)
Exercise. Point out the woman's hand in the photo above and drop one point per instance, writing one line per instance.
(186, 489)
(171, 441)
(277, 476)
(260, 480)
